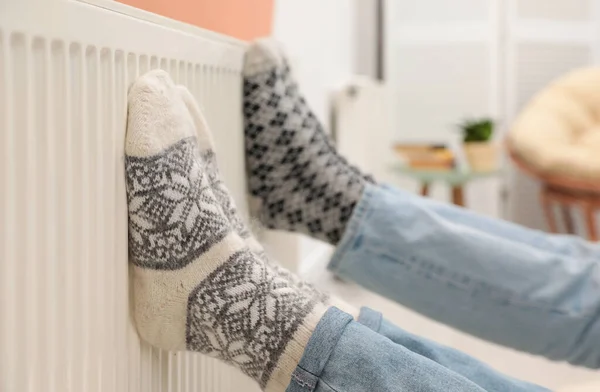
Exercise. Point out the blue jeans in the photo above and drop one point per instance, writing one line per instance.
(373, 355)
(521, 288)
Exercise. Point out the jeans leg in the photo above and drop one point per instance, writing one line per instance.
(501, 290)
(346, 356)
(454, 360)
(568, 245)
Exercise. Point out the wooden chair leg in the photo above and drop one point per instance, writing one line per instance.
(590, 221)
(425, 189)
(567, 219)
(458, 196)
(547, 206)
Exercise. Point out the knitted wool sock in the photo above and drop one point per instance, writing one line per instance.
(298, 179)
(223, 196)
(196, 284)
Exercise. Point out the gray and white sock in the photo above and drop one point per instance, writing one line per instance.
(196, 284)
(227, 203)
(297, 177)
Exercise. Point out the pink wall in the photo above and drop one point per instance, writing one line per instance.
(242, 19)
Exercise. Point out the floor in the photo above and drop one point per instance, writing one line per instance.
(523, 366)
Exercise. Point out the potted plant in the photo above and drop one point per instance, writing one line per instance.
(481, 152)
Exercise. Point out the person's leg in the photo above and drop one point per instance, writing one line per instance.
(197, 286)
(568, 245)
(448, 357)
(300, 183)
(510, 293)
(296, 179)
(346, 356)
(525, 289)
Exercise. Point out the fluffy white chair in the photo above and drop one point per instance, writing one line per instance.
(558, 132)
(556, 139)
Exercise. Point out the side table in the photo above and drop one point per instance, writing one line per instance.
(455, 179)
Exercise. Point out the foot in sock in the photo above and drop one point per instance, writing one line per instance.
(298, 180)
(196, 284)
(223, 196)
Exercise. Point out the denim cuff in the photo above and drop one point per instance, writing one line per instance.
(352, 228)
(370, 318)
(318, 350)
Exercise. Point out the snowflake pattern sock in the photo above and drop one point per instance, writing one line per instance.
(196, 284)
(297, 179)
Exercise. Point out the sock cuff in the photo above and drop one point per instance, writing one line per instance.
(263, 55)
(294, 350)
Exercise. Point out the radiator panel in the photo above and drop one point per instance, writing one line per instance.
(65, 321)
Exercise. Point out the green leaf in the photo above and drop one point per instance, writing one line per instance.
(477, 130)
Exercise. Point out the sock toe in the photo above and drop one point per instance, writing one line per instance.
(262, 55)
(205, 140)
(157, 115)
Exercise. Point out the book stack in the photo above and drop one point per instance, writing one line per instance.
(425, 156)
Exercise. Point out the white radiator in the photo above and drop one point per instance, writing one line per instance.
(65, 67)
(361, 125)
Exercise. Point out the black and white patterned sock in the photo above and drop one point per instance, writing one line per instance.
(197, 286)
(298, 180)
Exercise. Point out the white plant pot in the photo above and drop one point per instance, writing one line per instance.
(482, 156)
